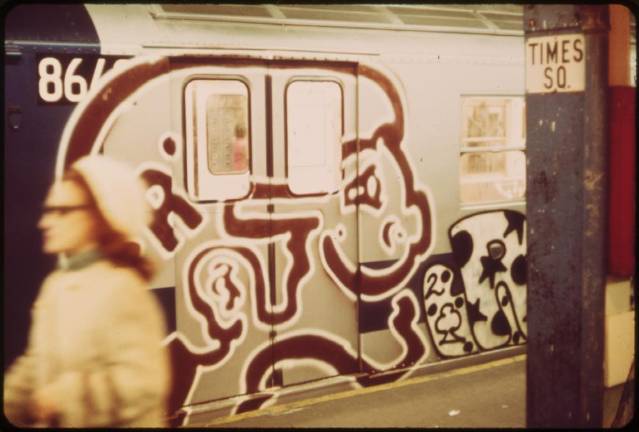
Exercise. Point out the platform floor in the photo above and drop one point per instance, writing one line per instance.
(489, 395)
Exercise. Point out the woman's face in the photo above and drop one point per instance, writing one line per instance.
(68, 222)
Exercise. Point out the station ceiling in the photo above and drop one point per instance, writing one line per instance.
(504, 19)
(466, 18)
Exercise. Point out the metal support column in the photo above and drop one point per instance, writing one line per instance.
(566, 86)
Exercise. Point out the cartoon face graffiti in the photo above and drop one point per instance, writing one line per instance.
(403, 227)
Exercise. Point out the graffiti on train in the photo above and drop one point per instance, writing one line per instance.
(479, 302)
(308, 246)
(171, 208)
(249, 273)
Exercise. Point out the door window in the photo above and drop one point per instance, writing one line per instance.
(218, 138)
(313, 136)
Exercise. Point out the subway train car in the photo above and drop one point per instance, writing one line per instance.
(338, 191)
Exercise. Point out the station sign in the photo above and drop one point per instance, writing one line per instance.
(555, 63)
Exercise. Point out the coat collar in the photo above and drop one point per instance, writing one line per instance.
(80, 260)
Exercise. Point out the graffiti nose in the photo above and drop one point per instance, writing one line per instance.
(496, 249)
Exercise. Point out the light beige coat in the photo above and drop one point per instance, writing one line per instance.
(94, 348)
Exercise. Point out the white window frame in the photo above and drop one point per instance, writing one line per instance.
(514, 140)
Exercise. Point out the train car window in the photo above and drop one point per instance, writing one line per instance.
(313, 136)
(226, 133)
(218, 138)
(492, 159)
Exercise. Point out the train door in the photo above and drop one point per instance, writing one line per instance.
(313, 111)
(263, 166)
(222, 294)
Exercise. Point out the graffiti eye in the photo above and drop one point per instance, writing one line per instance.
(496, 249)
(445, 276)
(372, 186)
(432, 310)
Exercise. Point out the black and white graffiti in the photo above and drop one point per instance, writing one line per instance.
(446, 312)
(490, 250)
(477, 301)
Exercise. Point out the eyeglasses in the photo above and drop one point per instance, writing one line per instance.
(62, 210)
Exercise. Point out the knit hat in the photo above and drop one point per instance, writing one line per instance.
(119, 193)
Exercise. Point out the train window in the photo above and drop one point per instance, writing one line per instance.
(218, 138)
(313, 136)
(226, 134)
(492, 160)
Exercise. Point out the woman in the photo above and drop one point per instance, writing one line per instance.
(240, 147)
(94, 356)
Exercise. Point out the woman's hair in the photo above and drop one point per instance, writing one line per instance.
(115, 246)
(240, 130)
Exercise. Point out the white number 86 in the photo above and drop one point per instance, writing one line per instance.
(51, 86)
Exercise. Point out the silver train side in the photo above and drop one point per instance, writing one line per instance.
(344, 252)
